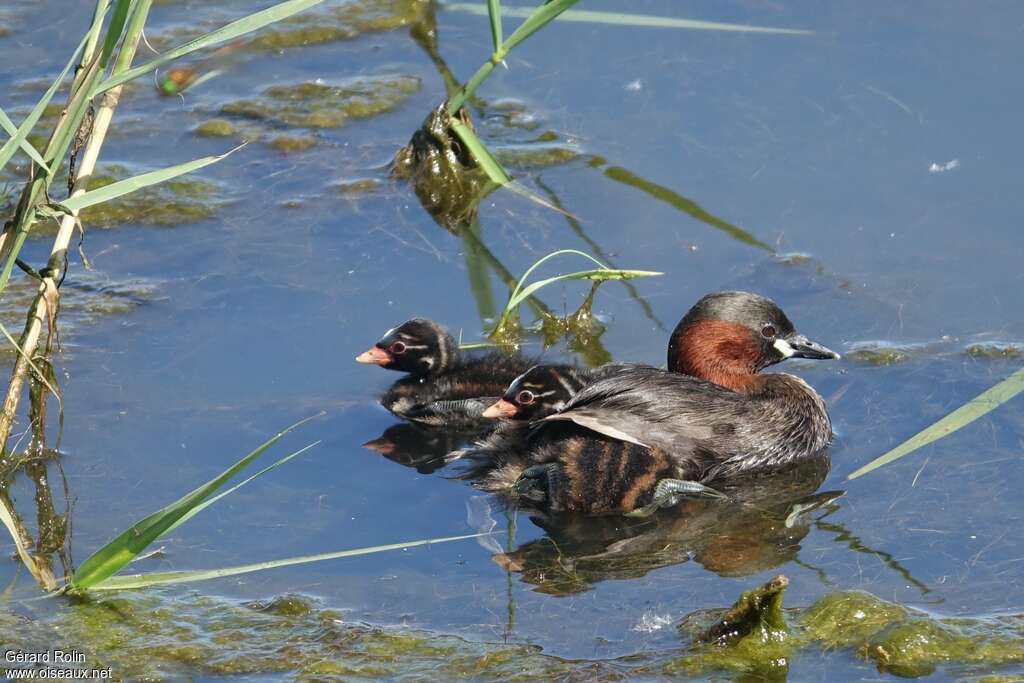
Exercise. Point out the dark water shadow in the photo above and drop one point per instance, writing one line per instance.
(758, 528)
(419, 446)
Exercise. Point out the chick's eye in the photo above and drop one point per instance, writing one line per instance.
(524, 398)
(768, 331)
(397, 348)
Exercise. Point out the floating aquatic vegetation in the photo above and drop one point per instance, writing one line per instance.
(535, 156)
(215, 128)
(879, 353)
(357, 186)
(288, 144)
(322, 105)
(995, 350)
(345, 22)
(755, 637)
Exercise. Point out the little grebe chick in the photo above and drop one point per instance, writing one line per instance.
(590, 473)
(537, 393)
(641, 433)
(444, 386)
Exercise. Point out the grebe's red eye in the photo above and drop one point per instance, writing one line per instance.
(397, 348)
(768, 331)
(524, 398)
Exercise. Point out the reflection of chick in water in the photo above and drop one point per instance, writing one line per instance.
(760, 526)
(421, 447)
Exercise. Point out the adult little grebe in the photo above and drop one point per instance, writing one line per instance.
(642, 436)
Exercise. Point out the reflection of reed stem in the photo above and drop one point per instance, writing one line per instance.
(510, 546)
(479, 282)
(854, 543)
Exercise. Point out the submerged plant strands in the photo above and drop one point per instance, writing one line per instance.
(86, 298)
(321, 105)
(964, 415)
(625, 19)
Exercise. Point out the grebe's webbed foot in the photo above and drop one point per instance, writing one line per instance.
(669, 492)
(534, 484)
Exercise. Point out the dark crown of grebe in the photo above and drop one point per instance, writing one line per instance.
(540, 391)
(418, 346)
(727, 337)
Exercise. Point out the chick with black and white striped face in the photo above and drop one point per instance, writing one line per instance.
(444, 386)
(418, 346)
(538, 392)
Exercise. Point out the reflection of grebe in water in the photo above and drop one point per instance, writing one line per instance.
(760, 526)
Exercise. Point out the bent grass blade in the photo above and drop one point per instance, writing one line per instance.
(961, 417)
(523, 292)
(625, 19)
(113, 556)
(599, 275)
(161, 578)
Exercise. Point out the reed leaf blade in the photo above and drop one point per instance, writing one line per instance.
(537, 19)
(12, 130)
(491, 166)
(205, 504)
(979, 406)
(626, 19)
(494, 14)
(161, 578)
(16, 140)
(113, 556)
(237, 28)
(129, 185)
(114, 30)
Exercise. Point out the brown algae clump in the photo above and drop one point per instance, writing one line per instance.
(357, 186)
(292, 143)
(995, 351)
(875, 353)
(341, 23)
(215, 128)
(319, 105)
(535, 156)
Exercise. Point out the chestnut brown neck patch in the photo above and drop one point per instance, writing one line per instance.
(718, 351)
